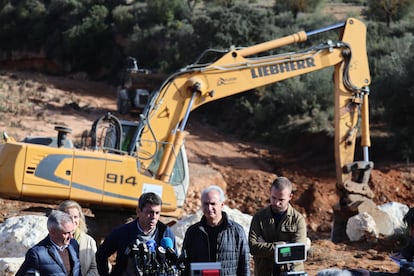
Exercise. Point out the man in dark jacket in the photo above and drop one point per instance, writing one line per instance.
(216, 238)
(408, 251)
(405, 256)
(145, 228)
(58, 253)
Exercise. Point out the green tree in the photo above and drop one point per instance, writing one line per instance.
(124, 18)
(239, 26)
(164, 12)
(16, 18)
(296, 6)
(388, 10)
(158, 34)
(86, 41)
(391, 59)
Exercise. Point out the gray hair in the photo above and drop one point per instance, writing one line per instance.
(214, 188)
(57, 219)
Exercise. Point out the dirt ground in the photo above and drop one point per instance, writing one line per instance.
(32, 104)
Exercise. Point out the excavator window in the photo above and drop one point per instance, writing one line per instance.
(128, 132)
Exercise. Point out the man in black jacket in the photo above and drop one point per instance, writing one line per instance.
(408, 251)
(216, 238)
(146, 227)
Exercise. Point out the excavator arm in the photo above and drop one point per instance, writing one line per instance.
(162, 129)
(240, 70)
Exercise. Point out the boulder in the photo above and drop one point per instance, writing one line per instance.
(18, 234)
(366, 225)
(361, 226)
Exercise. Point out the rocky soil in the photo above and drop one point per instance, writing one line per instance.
(32, 104)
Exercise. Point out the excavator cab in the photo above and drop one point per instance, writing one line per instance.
(117, 136)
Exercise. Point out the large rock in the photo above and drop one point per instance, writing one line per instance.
(396, 211)
(382, 219)
(18, 234)
(361, 226)
(366, 225)
(9, 266)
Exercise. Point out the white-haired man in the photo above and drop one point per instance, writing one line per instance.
(58, 253)
(216, 238)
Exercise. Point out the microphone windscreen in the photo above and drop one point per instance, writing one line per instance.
(171, 255)
(151, 244)
(143, 247)
(132, 247)
(167, 242)
(161, 254)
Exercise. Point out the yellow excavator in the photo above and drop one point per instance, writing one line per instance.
(114, 169)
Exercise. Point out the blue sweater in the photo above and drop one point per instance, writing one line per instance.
(119, 240)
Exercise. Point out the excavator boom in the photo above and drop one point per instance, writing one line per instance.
(237, 72)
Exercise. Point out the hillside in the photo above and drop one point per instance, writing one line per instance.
(32, 104)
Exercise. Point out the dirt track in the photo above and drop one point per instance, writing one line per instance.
(248, 169)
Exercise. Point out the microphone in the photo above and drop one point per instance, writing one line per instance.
(170, 253)
(132, 248)
(137, 253)
(167, 242)
(182, 262)
(171, 256)
(143, 250)
(143, 256)
(162, 260)
(153, 264)
(151, 244)
(161, 254)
